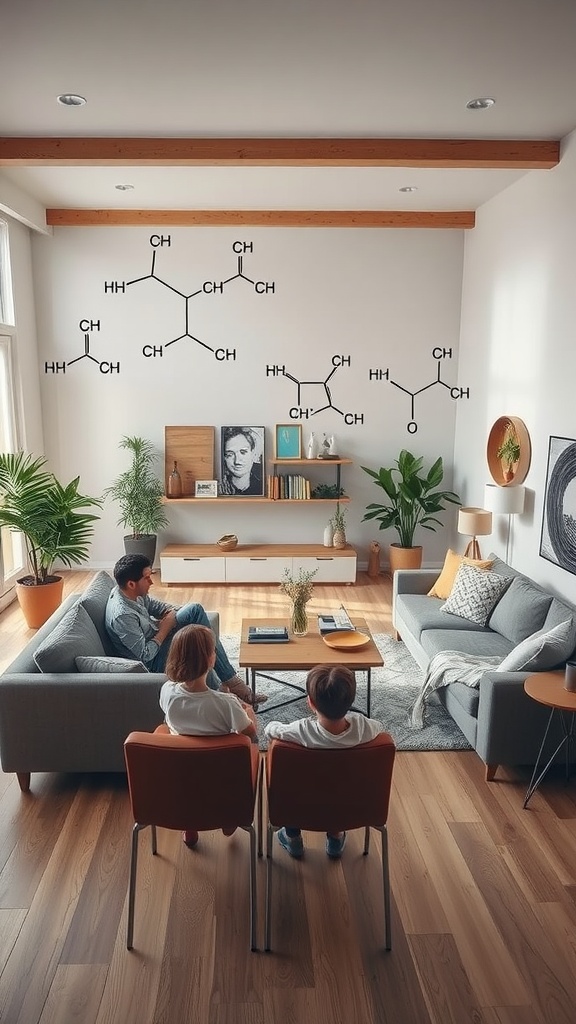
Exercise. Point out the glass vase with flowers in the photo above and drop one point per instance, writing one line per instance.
(299, 589)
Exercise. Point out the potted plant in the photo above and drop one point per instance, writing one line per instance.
(339, 525)
(509, 453)
(54, 524)
(139, 494)
(413, 500)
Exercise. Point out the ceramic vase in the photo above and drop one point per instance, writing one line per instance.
(328, 535)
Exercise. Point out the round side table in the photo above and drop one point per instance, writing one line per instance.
(548, 688)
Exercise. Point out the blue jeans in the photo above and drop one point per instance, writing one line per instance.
(188, 615)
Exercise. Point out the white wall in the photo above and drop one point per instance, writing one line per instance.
(385, 299)
(518, 345)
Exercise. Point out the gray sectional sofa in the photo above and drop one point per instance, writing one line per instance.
(501, 722)
(64, 720)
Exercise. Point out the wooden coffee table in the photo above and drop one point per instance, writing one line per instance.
(303, 652)
(548, 688)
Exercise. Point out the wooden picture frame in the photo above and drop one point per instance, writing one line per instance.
(288, 440)
(206, 489)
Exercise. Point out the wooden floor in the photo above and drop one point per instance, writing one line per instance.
(484, 895)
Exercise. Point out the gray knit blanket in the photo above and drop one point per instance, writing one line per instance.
(445, 668)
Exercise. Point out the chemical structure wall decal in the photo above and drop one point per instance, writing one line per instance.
(439, 354)
(215, 288)
(86, 327)
(322, 391)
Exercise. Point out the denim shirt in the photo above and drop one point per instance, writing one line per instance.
(132, 625)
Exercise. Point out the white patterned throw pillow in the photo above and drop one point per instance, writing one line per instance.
(475, 593)
(541, 651)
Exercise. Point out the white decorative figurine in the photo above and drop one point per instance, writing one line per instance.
(312, 451)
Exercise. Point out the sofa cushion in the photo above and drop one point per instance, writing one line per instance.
(546, 649)
(94, 600)
(475, 592)
(74, 635)
(418, 612)
(521, 611)
(452, 563)
(103, 663)
(468, 641)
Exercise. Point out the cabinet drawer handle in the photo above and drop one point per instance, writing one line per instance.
(191, 559)
(329, 558)
(258, 559)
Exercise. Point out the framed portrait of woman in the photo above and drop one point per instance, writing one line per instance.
(242, 461)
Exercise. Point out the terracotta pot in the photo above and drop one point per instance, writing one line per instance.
(39, 602)
(404, 558)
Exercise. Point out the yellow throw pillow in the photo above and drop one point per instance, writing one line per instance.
(443, 586)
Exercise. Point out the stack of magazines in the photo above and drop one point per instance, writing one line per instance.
(267, 634)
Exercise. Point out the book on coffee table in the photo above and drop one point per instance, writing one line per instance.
(267, 634)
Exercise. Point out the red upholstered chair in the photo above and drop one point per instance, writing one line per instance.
(329, 791)
(163, 773)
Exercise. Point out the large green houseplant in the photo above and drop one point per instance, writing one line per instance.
(139, 494)
(53, 521)
(413, 500)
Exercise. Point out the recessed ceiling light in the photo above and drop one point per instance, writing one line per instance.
(482, 103)
(71, 99)
(408, 188)
(124, 188)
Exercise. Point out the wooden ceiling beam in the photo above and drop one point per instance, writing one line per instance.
(455, 153)
(263, 218)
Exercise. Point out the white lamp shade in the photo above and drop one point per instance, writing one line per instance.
(507, 501)
(475, 522)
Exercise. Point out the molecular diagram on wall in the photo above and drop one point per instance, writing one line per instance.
(86, 328)
(215, 288)
(318, 391)
(456, 393)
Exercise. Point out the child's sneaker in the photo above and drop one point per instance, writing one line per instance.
(335, 845)
(292, 844)
(190, 838)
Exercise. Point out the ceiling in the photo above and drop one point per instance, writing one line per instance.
(304, 69)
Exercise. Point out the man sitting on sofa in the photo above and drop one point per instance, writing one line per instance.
(142, 628)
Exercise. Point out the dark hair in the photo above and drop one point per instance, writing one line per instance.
(130, 568)
(331, 689)
(247, 432)
(190, 653)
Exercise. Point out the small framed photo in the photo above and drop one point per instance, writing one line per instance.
(206, 489)
(288, 438)
(242, 461)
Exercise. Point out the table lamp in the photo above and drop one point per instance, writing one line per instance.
(506, 501)
(475, 522)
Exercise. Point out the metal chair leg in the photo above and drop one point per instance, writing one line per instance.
(132, 884)
(253, 894)
(386, 887)
(269, 838)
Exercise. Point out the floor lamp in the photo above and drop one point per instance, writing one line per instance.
(506, 501)
(475, 522)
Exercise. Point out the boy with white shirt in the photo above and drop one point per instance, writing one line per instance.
(331, 691)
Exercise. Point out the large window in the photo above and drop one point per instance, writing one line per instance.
(12, 555)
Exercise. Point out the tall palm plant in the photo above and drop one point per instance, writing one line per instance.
(138, 490)
(50, 517)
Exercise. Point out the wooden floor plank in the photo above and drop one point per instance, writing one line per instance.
(75, 994)
(546, 975)
(447, 988)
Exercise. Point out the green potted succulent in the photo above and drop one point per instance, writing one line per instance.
(509, 453)
(413, 500)
(140, 495)
(339, 526)
(54, 523)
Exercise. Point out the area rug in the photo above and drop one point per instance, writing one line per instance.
(394, 690)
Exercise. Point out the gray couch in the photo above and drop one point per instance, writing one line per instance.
(63, 720)
(501, 722)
